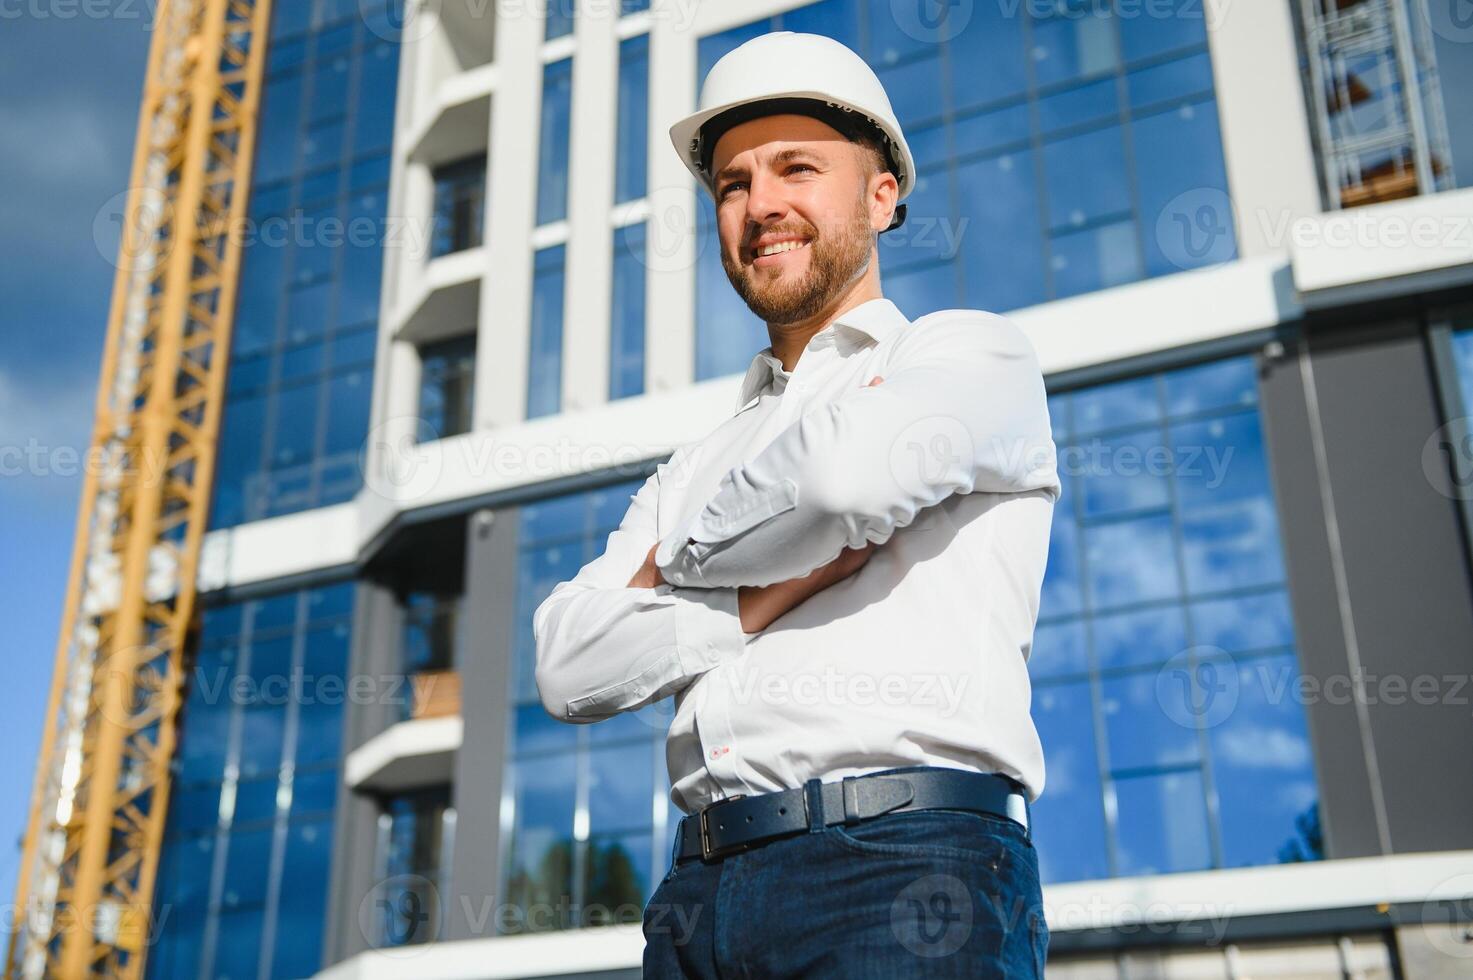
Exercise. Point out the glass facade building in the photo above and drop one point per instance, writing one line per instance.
(306, 323)
(242, 890)
(1163, 664)
(1050, 151)
(243, 880)
(591, 817)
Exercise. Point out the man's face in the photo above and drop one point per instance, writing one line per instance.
(797, 212)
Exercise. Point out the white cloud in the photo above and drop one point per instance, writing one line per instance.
(59, 143)
(1261, 747)
(50, 412)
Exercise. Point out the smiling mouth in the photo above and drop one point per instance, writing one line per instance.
(778, 248)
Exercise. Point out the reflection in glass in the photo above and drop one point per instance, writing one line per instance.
(1163, 662)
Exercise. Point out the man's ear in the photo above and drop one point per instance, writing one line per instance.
(882, 193)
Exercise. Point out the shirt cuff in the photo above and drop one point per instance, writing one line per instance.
(675, 560)
(708, 628)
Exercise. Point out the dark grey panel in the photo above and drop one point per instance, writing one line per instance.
(1408, 583)
(376, 623)
(484, 651)
(1347, 816)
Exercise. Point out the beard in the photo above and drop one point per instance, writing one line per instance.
(834, 262)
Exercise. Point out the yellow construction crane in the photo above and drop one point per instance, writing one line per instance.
(85, 890)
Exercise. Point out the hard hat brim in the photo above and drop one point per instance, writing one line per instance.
(685, 135)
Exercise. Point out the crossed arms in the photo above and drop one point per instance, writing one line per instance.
(962, 409)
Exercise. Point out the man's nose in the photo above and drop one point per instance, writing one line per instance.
(765, 200)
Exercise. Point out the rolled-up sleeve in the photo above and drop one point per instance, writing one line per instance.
(603, 647)
(962, 408)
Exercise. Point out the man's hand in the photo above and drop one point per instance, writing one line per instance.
(760, 605)
(648, 575)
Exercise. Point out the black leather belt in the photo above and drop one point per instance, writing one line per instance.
(740, 822)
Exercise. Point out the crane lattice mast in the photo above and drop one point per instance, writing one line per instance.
(86, 882)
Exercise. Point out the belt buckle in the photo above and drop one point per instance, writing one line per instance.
(707, 851)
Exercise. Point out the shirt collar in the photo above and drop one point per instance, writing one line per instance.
(875, 320)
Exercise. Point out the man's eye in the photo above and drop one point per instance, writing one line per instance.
(734, 185)
(799, 166)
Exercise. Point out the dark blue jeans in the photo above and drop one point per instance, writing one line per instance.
(929, 893)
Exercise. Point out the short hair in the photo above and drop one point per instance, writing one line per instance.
(876, 148)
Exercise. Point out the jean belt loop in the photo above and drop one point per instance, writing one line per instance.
(1028, 812)
(813, 802)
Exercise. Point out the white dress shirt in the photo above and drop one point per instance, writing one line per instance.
(919, 658)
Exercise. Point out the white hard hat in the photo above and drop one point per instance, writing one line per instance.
(785, 72)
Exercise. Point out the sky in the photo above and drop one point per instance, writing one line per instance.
(69, 93)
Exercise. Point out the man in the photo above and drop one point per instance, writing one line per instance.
(838, 585)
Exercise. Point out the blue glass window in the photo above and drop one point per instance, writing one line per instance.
(1164, 658)
(260, 750)
(414, 867)
(618, 765)
(460, 197)
(545, 366)
(626, 321)
(1062, 148)
(633, 132)
(298, 396)
(552, 172)
(560, 15)
(447, 385)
